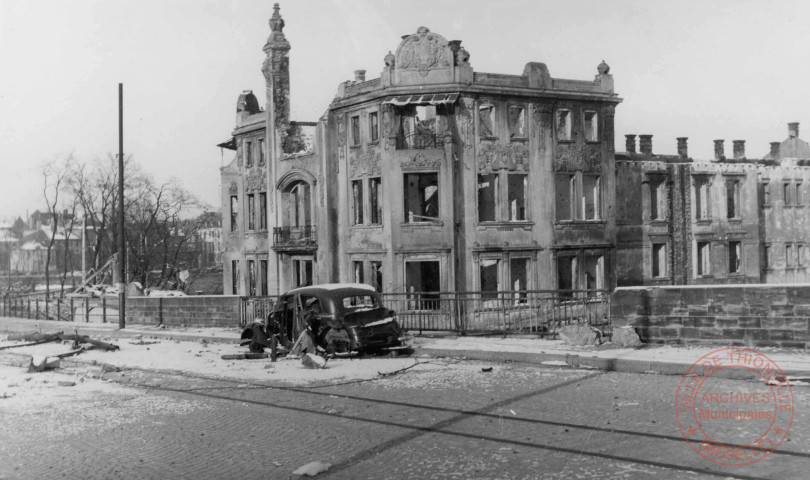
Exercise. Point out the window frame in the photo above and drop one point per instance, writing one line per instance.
(590, 126)
(563, 117)
(703, 258)
(251, 212)
(354, 129)
(234, 213)
(659, 269)
(408, 215)
(737, 255)
(522, 133)
(374, 126)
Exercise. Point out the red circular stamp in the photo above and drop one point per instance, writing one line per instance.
(733, 422)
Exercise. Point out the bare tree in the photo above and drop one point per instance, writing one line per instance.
(55, 179)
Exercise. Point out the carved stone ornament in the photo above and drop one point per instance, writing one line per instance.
(570, 157)
(540, 119)
(466, 123)
(423, 52)
(238, 157)
(420, 160)
(608, 134)
(495, 156)
(256, 181)
(365, 164)
(233, 188)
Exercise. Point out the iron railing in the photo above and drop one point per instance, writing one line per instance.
(294, 236)
(255, 308)
(419, 140)
(83, 309)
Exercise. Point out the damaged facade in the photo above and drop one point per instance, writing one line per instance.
(729, 220)
(431, 177)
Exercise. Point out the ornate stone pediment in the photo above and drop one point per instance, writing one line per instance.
(570, 157)
(256, 181)
(420, 160)
(495, 156)
(233, 188)
(423, 52)
(364, 164)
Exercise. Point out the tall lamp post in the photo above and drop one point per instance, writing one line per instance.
(122, 294)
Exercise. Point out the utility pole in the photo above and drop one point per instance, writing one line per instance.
(122, 294)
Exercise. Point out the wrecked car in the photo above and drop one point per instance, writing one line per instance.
(337, 318)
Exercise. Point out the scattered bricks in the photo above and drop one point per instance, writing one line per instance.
(726, 322)
(771, 323)
(749, 322)
(780, 334)
(705, 321)
(713, 333)
(688, 332)
(698, 310)
(733, 333)
(796, 323)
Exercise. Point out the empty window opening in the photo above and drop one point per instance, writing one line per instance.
(263, 277)
(375, 200)
(488, 273)
(659, 260)
(487, 193)
(251, 278)
(302, 271)
(564, 189)
(590, 197)
(234, 212)
(261, 152)
(733, 199)
(422, 277)
(421, 197)
(248, 154)
(355, 130)
(235, 277)
(486, 121)
(702, 211)
(357, 272)
(377, 276)
(263, 211)
(357, 202)
(517, 197)
(734, 257)
(251, 211)
(519, 278)
(789, 256)
(703, 258)
(563, 125)
(373, 126)
(658, 199)
(517, 122)
(591, 131)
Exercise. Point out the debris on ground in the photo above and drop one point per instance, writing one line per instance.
(312, 468)
(245, 356)
(310, 360)
(486, 369)
(40, 363)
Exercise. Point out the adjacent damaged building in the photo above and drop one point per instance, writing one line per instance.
(431, 177)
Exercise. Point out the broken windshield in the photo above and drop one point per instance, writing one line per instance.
(359, 302)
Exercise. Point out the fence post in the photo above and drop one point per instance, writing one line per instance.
(58, 309)
(72, 311)
(419, 306)
(47, 309)
(86, 309)
(29, 307)
(103, 309)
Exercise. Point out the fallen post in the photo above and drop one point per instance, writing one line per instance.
(85, 339)
(245, 356)
(34, 336)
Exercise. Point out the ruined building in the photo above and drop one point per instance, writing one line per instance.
(431, 177)
(727, 220)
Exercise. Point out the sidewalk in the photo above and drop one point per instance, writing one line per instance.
(669, 360)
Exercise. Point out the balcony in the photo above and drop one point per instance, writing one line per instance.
(419, 141)
(295, 239)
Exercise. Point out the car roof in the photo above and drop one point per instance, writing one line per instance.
(326, 287)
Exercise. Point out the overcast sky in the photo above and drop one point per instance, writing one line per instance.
(701, 69)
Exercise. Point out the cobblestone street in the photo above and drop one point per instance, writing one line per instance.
(443, 419)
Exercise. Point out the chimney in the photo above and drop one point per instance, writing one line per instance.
(719, 151)
(739, 149)
(359, 75)
(682, 151)
(630, 143)
(793, 130)
(645, 144)
(775, 149)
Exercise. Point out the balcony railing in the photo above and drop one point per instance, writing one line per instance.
(295, 236)
(419, 140)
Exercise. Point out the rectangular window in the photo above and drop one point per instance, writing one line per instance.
(767, 259)
(519, 278)
(566, 267)
(261, 151)
(357, 202)
(702, 210)
(487, 193)
(263, 211)
(659, 260)
(251, 278)
(263, 276)
(800, 255)
(248, 154)
(658, 199)
(355, 130)
(375, 200)
(797, 198)
(564, 192)
(733, 199)
(517, 122)
(786, 192)
(423, 277)
(590, 197)
(488, 274)
(234, 212)
(703, 258)
(789, 256)
(766, 193)
(563, 125)
(373, 126)
(235, 277)
(517, 197)
(486, 121)
(302, 269)
(592, 272)
(421, 197)
(357, 272)
(251, 214)
(734, 257)
(591, 127)
(377, 276)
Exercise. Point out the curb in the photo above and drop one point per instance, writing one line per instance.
(599, 363)
(88, 329)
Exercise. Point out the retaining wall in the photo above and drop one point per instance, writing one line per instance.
(736, 315)
(193, 310)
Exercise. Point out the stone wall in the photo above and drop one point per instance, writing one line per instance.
(737, 315)
(190, 311)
